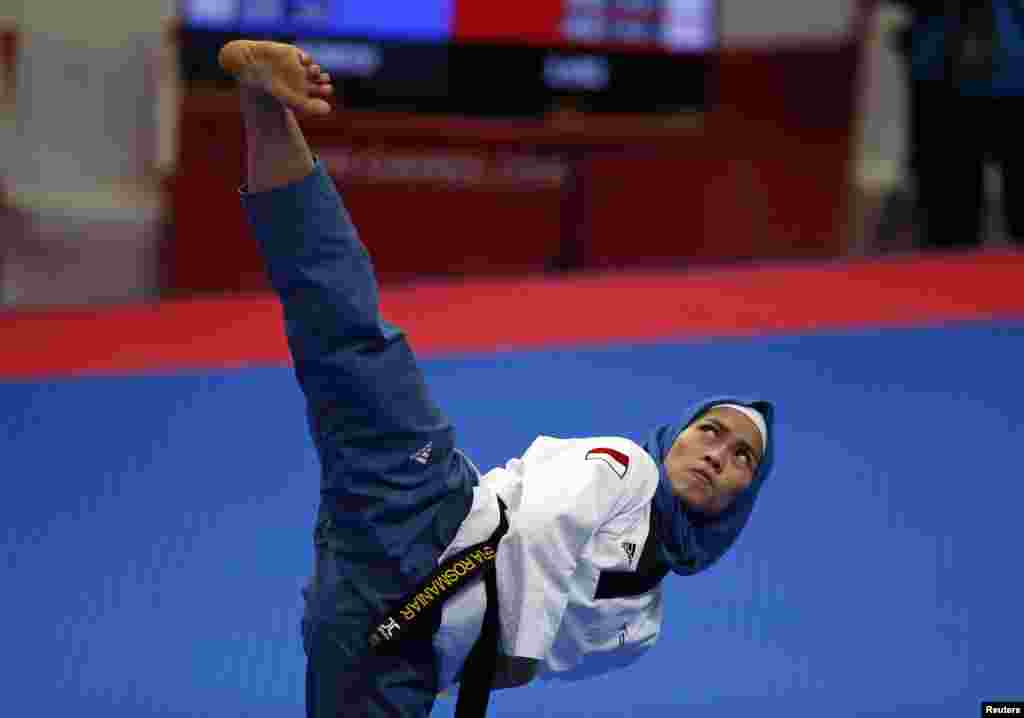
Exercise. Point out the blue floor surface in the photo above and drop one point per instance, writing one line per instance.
(157, 529)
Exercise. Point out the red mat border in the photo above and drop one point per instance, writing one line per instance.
(490, 315)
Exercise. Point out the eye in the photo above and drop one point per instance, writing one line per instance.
(745, 457)
(709, 427)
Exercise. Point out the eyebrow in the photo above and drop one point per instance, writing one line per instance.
(743, 442)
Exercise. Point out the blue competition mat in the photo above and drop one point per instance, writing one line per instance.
(157, 529)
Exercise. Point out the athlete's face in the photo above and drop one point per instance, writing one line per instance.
(714, 460)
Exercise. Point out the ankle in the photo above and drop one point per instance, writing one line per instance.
(258, 105)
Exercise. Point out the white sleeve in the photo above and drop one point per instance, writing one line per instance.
(564, 502)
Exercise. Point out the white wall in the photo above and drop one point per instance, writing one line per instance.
(94, 23)
(85, 115)
(10, 9)
(81, 150)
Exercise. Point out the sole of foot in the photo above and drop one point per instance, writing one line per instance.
(282, 71)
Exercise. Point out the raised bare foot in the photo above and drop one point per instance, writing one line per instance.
(283, 71)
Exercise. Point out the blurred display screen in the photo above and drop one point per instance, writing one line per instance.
(481, 56)
(647, 24)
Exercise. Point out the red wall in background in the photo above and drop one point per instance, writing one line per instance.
(763, 174)
(452, 206)
(767, 176)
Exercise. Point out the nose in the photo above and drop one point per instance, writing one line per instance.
(714, 457)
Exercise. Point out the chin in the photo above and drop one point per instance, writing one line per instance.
(693, 496)
(699, 504)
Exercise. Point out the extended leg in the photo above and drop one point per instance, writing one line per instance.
(275, 82)
(393, 489)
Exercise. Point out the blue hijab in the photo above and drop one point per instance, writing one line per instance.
(689, 542)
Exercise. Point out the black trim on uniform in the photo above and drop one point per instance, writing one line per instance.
(648, 574)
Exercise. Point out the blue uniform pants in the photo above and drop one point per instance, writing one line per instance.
(393, 488)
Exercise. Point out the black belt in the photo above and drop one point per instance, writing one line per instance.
(419, 613)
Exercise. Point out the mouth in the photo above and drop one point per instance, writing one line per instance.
(705, 477)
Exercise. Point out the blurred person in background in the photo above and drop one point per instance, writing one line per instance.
(965, 64)
(425, 572)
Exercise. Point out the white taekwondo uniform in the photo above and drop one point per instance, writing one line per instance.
(576, 508)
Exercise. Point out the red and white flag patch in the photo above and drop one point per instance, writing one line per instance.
(615, 459)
